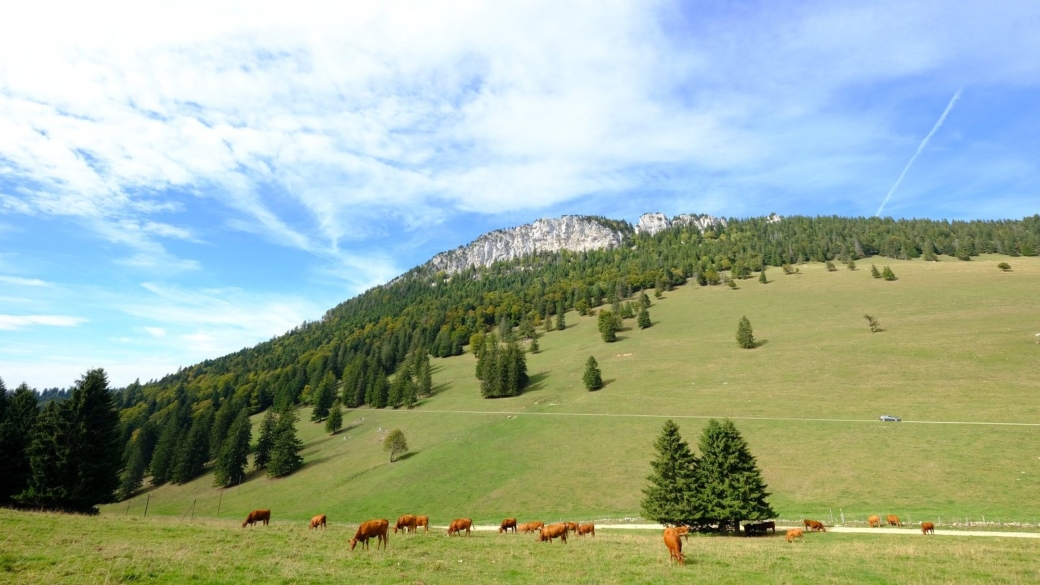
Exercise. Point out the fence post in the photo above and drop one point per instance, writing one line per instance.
(842, 512)
(193, 508)
(220, 499)
(127, 508)
(146, 505)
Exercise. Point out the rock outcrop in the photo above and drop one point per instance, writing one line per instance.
(652, 223)
(570, 232)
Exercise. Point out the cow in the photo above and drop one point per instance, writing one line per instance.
(814, 525)
(460, 524)
(571, 526)
(584, 529)
(768, 524)
(927, 527)
(506, 525)
(376, 528)
(257, 516)
(525, 527)
(793, 534)
(406, 523)
(752, 529)
(683, 531)
(558, 530)
(536, 525)
(423, 521)
(893, 520)
(874, 521)
(674, 544)
(318, 521)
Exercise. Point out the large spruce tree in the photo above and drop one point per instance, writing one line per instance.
(234, 453)
(592, 377)
(324, 396)
(286, 447)
(731, 489)
(75, 454)
(265, 443)
(672, 494)
(194, 452)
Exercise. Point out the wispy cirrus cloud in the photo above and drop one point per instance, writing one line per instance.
(13, 322)
(19, 281)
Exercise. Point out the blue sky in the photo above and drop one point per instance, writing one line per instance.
(179, 181)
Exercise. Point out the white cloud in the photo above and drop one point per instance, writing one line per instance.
(13, 322)
(155, 331)
(19, 281)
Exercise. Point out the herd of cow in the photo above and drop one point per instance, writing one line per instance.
(673, 535)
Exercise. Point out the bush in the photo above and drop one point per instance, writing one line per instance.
(745, 337)
(592, 378)
(873, 322)
(874, 271)
(887, 274)
(1004, 266)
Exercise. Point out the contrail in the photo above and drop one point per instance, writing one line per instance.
(920, 147)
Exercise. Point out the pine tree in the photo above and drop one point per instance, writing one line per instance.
(285, 450)
(194, 453)
(592, 377)
(851, 265)
(745, 336)
(608, 326)
(234, 453)
(644, 318)
(395, 444)
(324, 396)
(762, 276)
(887, 274)
(335, 421)
(731, 485)
(644, 301)
(671, 496)
(164, 458)
(265, 443)
(425, 378)
(76, 454)
(874, 271)
(534, 347)
(561, 323)
(16, 422)
(133, 475)
(395, 398)
(410, 396)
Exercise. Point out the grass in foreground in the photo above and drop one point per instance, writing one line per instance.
(55, 548)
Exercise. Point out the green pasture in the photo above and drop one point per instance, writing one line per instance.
(957, 346)
(51, 548)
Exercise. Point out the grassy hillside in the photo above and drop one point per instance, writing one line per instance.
(957, 346)
(52, 548)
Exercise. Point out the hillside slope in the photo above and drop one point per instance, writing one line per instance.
(957, 345)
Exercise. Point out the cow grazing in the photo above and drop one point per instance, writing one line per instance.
(683, 531)
(893, 520)
(525, 527)
(372, 528)
(571, 526)
(406, 523)
(423, 521)
(318, 521)
(674, 544)
(257, 516)
(793, 534)
(751, 529)
(584, 529)
(558, 530)
(460, 524)
(506, 525)
(927, 527)
(874, 521)
(536, 525)
(768, 524)
(814, 525)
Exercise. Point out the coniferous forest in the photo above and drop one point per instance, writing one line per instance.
(374, 350)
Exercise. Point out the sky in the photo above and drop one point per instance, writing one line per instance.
(179, 180)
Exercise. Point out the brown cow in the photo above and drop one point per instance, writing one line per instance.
(257, 516)
(754, 528)
(927, 527)
(874, 521)
(406, 523)
(814, 525)
(506, 525)
(584, 529)
(318, 521)
(767, 525)
(683, 531)
(893, 520)
(674, 544)
(376, 528)
(572, 526)
(525, 527)
(536, 525)
(460, 524)
(558, 530)
(793, 534)
(423, 521)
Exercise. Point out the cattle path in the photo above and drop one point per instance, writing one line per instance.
(850, 529)
(706, 417)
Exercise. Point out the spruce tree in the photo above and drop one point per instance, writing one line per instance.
(133, 475)
(671, 496)
(644, 301)
(164, 458)
(425, 378)
(644, 318)
(285, 450)
(534, 347)
(234, 453)
(265, 443)
(887, 274)
(762, 276)
(731, 489)
(608, 326)
(561, 323)
(335, 421)
(874, 271)
(16, 423)
(397, 389)
(324, 396)
(76, 454)
(745, 337)
(194, 452)
(410, 394)
(592, 377)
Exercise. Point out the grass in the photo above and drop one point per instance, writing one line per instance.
(957, 345)
(76, 549)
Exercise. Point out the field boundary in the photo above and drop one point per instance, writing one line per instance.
(845, 529)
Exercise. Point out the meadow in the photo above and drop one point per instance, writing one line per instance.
(957, 352)
(52, 548)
